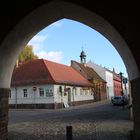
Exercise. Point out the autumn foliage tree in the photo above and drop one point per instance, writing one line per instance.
(27, 54)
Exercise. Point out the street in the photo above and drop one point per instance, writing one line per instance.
(96, 121)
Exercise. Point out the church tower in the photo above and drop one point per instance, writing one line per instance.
(83, 57)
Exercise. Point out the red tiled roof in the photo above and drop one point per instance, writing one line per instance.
(32, 72)
(41, 71)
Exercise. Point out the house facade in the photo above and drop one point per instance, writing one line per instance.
(110, 84)
(118, 89)
(49, 96)
(121, 84)
(45, 84)
(115, 86)
(106, 76)
(99, 85)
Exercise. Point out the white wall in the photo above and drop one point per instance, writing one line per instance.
(33, 96)
(106, 75)
(77, 94)
(110, 87)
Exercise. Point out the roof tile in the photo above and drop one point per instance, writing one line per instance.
(42, 71)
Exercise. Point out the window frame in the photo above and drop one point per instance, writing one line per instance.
(25, 93)
(41, 92)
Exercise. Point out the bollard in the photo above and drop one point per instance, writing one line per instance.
(69, 133)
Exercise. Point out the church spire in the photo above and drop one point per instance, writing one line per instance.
(83, 56)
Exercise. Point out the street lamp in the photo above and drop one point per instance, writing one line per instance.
(121, 82)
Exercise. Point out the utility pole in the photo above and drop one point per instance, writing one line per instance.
(121, 83)
(125, 81)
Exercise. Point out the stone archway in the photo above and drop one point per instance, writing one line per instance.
(43, 16)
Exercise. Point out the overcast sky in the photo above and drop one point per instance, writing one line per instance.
(63, 40)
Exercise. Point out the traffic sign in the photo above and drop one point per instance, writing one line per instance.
(34, 88)
(125, 80)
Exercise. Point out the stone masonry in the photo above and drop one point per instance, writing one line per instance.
(135, 84)
(4, 93)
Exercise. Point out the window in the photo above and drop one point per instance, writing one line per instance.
(41, 92)
(25, 94)
(49, 92)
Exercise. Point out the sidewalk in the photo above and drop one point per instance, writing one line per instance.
(114, 130)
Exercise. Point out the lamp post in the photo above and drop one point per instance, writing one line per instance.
(125, 82)
(121, 82)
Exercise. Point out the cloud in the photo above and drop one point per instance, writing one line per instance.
(38, 46)
(37, 42)
(52, 56)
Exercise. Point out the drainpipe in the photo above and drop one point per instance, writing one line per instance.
(74, 90)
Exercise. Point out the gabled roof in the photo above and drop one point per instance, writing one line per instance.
(116, 77)
(42, 71)
(90, 73)
(31, 72)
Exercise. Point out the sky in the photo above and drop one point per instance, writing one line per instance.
(64, 40)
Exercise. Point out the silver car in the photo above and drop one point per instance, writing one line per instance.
(119, 100)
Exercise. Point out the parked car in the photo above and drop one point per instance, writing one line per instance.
(119, 100)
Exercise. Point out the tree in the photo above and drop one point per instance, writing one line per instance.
(27, 54)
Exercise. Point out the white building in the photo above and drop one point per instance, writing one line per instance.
(45, 84)
(110, 85)
(106, 75)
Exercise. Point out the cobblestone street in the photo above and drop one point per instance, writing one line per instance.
(99, 122)
(52, 130)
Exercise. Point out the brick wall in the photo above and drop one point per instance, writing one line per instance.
(4, 93)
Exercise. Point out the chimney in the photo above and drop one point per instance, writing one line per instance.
(113, 70)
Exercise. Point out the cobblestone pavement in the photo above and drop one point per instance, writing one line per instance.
(102, 125)
(51, 130)
(109, 130)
